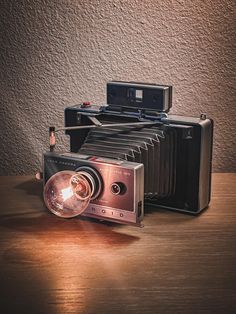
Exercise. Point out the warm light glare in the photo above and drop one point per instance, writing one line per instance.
(64, 199)
(67, 193)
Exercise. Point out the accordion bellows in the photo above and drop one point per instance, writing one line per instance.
(155, 147)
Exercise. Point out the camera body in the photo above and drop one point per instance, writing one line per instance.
(176, 151)
(118, 185)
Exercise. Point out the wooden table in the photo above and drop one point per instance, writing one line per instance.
(175, 264)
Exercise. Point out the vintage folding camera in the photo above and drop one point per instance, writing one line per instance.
(134, 130)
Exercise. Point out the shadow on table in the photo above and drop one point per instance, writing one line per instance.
(32, 187)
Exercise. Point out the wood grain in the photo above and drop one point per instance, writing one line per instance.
(175, 264)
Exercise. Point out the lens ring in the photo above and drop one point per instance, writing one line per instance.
(88, 178)
(97, 180)
(79, 183)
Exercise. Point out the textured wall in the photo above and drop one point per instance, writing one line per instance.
(57, 53)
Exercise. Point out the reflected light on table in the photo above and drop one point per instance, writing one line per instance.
(67, 250)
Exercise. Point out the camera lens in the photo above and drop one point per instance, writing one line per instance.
(118, 188)
(79, 186)
(93, 178)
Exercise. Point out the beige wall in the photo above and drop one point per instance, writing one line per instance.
(58, 53)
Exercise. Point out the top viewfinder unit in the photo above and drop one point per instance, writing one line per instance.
(140, 96)
(176, 151)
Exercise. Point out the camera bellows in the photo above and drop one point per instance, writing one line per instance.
(154, 146)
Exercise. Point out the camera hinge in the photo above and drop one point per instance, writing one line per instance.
(95, 121)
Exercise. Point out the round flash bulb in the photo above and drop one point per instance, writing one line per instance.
(67, 194)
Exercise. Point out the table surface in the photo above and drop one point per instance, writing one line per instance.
(177, 263)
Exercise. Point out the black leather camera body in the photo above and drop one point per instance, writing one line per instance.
(135, 125)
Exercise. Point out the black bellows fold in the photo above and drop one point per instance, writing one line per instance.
(153, 146)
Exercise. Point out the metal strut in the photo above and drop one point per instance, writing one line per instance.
(96, 124)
